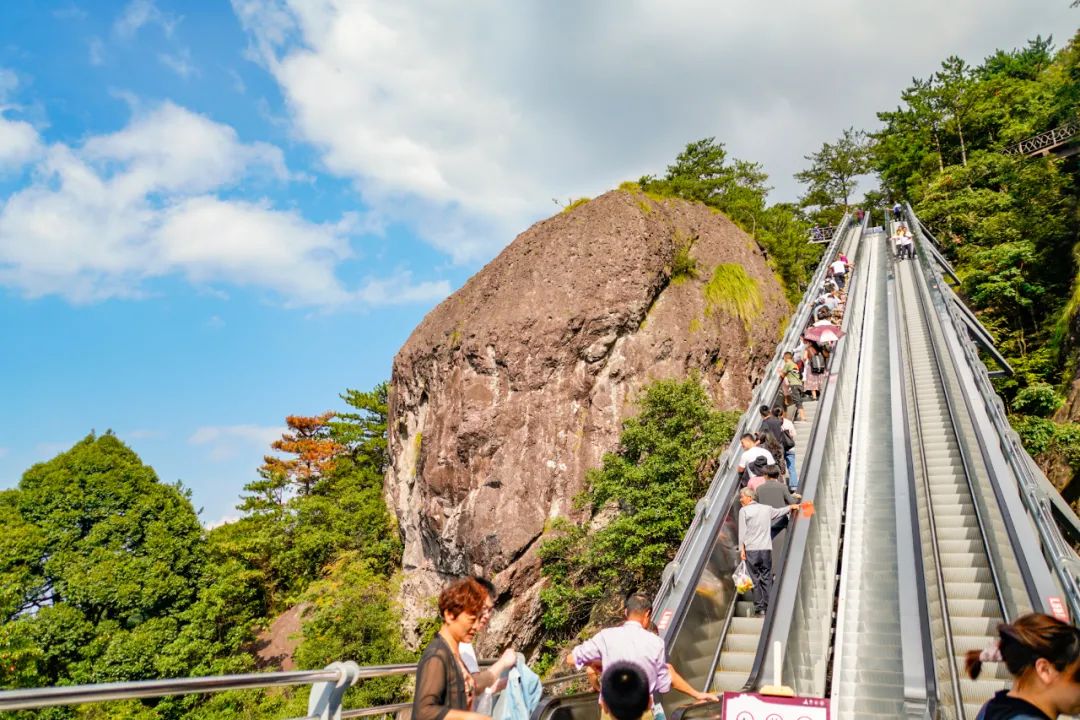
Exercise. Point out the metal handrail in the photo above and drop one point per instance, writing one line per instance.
(904, 359)
(778, 620)
(103, 692)
(1033, 500)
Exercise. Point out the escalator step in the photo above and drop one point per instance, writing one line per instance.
(969, 591)
(736, 662)
(973, 572)
(732, 681)
(746, 626)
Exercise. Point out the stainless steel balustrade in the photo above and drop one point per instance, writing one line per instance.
(338, 674)
(1019, 489)
(801, 614)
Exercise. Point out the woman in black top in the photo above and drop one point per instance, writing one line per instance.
(444, 688)
(1043, 654)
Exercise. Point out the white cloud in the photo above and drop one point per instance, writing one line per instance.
(139, 13)
(96, 50)
(180, 63)
(226, 441)
(467, 132)
(223, 520)
(19, 142)
(98, 221)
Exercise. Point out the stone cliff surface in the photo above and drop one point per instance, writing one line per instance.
(509, 390)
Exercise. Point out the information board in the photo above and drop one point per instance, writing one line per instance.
(751, 706)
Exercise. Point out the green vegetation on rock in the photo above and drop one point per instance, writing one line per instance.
(703, 173)
(732, 291)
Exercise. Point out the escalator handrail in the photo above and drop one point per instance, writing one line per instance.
(909, 534)
(719, 499)
(1023, 488)
(777, 622)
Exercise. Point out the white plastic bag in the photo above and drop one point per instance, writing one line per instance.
(741, 576)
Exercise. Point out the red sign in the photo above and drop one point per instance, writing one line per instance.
(665, 620)
(1058, 609)
(751, 706)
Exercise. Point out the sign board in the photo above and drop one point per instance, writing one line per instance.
(751, 706)
(665, 620)
(1058, 609)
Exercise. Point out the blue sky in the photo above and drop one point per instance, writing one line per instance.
(213, 215)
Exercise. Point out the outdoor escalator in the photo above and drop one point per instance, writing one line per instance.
(712, 638)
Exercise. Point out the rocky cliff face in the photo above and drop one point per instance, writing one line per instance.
(516, 384)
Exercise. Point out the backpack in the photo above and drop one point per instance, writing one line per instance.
(786, 441)
(817, 363)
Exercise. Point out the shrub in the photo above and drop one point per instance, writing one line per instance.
(1038, 399)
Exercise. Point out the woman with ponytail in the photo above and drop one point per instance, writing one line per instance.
(1043, 654)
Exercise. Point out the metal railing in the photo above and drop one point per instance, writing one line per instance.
(1019, 495)
(324, 702)
(1044, 142)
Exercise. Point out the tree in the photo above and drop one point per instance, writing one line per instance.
(97, 563)
(954, 90)
(315, 449)
(831, 177)
(362, 432)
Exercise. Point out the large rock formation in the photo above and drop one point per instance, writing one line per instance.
(516, 384)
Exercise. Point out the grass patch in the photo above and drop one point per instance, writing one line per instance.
(732, 291)
(573, 204)
(683, 267)
(695, 325)
(630, 186)
(644, 206)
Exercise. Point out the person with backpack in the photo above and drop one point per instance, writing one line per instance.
(813, 369)
(788, 429)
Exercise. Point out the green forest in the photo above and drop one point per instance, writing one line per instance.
(1008, 223)
(106, 573)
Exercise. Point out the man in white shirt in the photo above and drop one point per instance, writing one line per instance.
(629, 642)
(839, 272)
(751, 452)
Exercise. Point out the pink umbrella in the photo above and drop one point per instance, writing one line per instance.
(823, 333)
